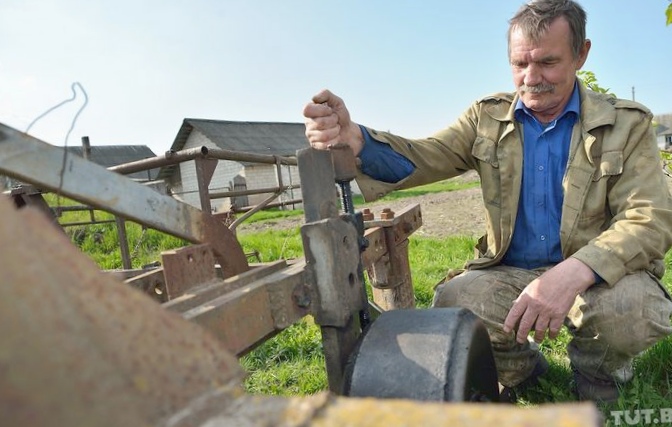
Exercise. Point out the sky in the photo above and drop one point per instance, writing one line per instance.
(410, 67)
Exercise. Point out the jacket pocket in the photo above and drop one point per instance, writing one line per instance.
(485, 150)
(611, 164)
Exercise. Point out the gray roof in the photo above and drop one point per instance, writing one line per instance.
(251, 137)
(274, 138)
(113, 155)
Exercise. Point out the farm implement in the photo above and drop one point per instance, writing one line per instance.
(159, 346)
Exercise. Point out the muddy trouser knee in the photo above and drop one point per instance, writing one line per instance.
(489, 293)
(609, 324)
(612, 324)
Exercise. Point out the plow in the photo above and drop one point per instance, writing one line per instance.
(159, 346)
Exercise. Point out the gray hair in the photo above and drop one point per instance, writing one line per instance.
(534, 18)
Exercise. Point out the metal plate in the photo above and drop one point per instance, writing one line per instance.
(437, 354)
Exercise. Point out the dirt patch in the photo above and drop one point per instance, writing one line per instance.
(443, 214)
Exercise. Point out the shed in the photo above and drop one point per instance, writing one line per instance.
(114, 155)
(271, 138)
(664, 131)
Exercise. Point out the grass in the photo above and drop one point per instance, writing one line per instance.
(292, 363)
(437, 187)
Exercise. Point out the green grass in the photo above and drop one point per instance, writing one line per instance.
(271, 214)
(273, 244)
(437, 187)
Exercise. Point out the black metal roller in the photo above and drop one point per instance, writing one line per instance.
(437, 354)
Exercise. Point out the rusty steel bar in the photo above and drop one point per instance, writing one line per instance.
(123, 243)
(76, 224)
(221, 154)
(269, 205)
(205, 168)
(254, 210)
(175, 157)
(31, 160)
(224, 194)
(247, 316)
(168, 159)
(80, 208)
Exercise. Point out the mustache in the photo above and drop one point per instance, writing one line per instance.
(540, 88)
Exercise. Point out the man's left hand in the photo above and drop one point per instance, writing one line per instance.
(545, 302)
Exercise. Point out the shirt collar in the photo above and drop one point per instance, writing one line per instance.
(573, 106)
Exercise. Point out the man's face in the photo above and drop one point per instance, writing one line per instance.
(544, 72)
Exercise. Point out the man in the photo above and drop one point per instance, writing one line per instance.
(578, 213)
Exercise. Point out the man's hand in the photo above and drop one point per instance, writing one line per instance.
(545, 302)
(328, 123)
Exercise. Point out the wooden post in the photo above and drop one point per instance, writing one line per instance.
(393, 270)
(386, 258)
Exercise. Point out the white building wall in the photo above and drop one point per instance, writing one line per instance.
(221, 179)
(256, 175)
(266, 176)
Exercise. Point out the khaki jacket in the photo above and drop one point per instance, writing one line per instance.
(617, 210)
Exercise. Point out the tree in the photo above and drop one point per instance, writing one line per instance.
(588, 78)
(668, 13)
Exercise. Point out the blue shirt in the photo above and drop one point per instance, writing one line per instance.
(381, 162)
(536, 237)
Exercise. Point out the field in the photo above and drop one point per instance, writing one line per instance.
(292, 363)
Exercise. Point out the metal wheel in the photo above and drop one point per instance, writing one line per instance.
(437, 354)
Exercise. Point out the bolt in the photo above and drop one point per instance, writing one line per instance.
(301, 297)
(367, 215)
(387, 214)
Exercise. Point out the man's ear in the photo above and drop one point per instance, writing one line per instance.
(583, 54)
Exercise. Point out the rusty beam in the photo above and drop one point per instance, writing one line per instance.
(168, 159)
(208, 290)
(31, 160)
(187, 267)
(246, 316)
(224, 194)
(152, 283)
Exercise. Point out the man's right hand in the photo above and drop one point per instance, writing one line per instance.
(328, 123)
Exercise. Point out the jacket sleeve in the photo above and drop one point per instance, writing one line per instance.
(444, 155)
(639, 232)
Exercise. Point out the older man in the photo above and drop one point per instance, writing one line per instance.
(578, 213)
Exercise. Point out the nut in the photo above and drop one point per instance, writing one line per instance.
(387, 214)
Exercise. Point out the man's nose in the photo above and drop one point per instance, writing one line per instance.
(532, 75)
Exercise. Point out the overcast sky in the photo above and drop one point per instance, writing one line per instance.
(406, 66)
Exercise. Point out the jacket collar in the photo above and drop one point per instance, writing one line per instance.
(596, 109)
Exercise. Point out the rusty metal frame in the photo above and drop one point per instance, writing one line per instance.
(241, 306)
